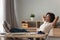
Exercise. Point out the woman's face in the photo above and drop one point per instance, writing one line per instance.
(48, 18)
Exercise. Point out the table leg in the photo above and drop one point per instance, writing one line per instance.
(34, 38)
(40, 38)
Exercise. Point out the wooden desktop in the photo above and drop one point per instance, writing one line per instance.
(55, 32)
(24, 35)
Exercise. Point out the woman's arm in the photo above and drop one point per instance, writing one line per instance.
(44, 18)
(55, 20)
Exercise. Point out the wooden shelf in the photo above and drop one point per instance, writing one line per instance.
(30, 25)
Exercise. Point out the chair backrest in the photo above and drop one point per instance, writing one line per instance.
(7, 26)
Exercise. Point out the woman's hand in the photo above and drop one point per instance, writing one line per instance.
(57, 17)
(44, 18)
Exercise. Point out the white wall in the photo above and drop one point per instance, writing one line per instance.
(39, 7)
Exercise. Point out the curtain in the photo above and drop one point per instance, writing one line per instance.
(10, 13)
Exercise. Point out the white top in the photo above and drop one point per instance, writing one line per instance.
(45, 27)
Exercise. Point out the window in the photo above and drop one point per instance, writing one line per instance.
(2, 11)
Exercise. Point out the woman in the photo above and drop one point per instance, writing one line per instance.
(49, 22)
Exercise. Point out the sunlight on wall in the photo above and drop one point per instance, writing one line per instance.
(2, 15)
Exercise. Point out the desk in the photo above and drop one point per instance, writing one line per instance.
(24, 35)
(55, 32)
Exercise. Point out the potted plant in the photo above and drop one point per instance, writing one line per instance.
(32, 16)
